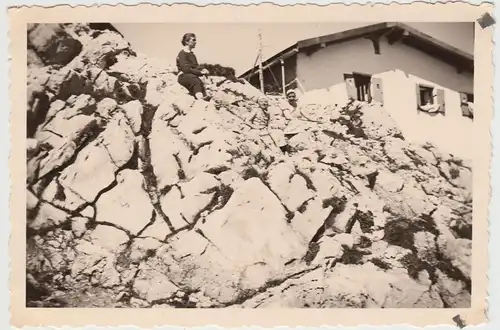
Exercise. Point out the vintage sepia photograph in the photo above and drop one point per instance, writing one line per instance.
(214, 169)
(251, 165)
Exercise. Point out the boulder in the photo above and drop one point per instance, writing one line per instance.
(104, 85)
(105, 108)
(296, 292)
(453, 292)
(140, 248)
(129, 199)
(200, 266)
(133, 112)
(368, 286)
(291, 188)
(458, 252)
(70, 122)
(95, 166)
(53, 44)
(310, 217)
(152, 283)
(109, 238)
(245, 230)
(103, 49)
(166, 149)
(79, 226)
(46, 217)
(33, 60)
(96, 264)
(66, 82)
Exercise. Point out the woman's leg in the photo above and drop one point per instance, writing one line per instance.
(193, 84)
(186, 80)
(198, 88)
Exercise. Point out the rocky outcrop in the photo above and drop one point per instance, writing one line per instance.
(140, 196)
(51, 44)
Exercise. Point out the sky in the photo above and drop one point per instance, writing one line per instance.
(236, 45)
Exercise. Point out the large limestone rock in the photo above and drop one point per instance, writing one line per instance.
(138, 195)
(350, 286)
(102, 50)
(371, 287)
(53, 44)
(291, 187)
(152, 283)
(247, 228)
(458, 251)
(191, 263)
(133, 112)
(47, 216)
(95, 264)
(167, 153)
(299, 292)
(67, 122)
(129, 200)
(104, 84)
(95, 166)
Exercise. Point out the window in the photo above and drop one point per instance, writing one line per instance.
(425, 95)
(430, 99)
(466, 98)
(358, 86)
(362, 82)
(467, 104)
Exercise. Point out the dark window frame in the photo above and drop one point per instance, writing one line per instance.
(362, 82)
(465, 105)
(423, 88)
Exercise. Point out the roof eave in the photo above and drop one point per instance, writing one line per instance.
(464, 59)
(444, 51)
(344, 35)
(283, 55)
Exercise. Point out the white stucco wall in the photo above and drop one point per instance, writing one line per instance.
(450, 132)
(400, 67)
(327, 66)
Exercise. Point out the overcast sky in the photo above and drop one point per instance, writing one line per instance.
(236, 45)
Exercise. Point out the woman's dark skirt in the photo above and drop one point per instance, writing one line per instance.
(193, 84)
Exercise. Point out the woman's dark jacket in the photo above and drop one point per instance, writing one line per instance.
(187, 63)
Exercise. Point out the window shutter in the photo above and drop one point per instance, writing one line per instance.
(440, 100)
(419, 101)
(465, 110)
(378, 95)
(351, 88)
(464, 105)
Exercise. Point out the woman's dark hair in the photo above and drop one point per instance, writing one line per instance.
(186, 37)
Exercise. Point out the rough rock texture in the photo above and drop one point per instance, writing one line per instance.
(140, 196)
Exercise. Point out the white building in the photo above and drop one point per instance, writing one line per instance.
(425, 84)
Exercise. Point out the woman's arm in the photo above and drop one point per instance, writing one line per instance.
(186, 65)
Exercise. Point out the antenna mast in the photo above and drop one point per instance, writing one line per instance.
(261, 73)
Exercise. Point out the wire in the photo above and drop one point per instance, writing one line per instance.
(254, 66)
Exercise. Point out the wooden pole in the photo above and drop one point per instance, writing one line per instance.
(283, 76)
(261, 71)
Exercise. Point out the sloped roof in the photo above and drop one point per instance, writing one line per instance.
(393, 31)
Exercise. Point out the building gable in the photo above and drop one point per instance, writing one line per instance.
(392, 33)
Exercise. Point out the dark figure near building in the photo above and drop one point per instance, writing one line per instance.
(189, 69)
(292, 98)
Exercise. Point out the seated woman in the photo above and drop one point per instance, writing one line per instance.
(189, 70)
